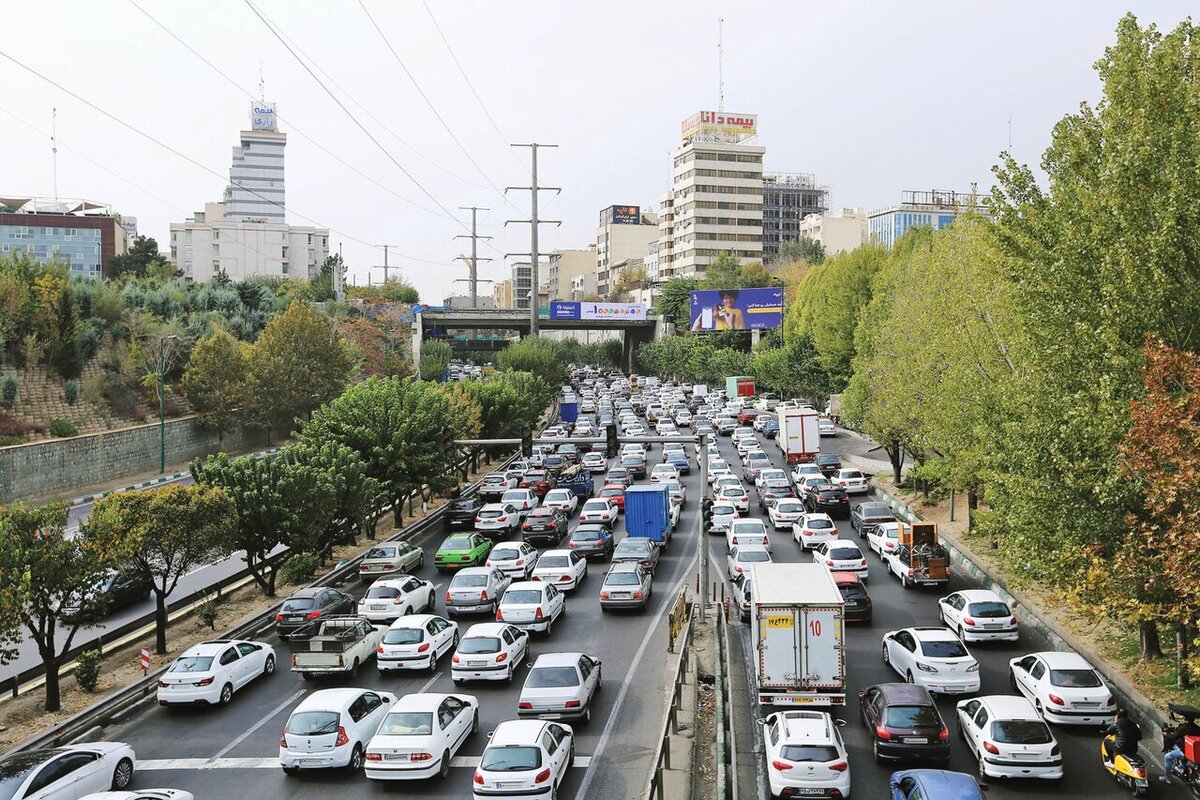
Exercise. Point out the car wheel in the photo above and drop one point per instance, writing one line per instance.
(508, 676)
(886, 659)
(122, 775)
(407, 611)
(226, 694)
(875, 752)
(269, 665)
(475, 723)
(354, 669)
(1037, 706)
(432, 665)
(1012, 681)
(308, 676)
(909, 677)
(982, 768)
(457, 681)
(429, 606)
(444, 769)
(587, 715)
(356, 759)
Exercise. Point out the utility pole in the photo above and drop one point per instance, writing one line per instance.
(533, 221)
(474, 263)
(384, 266)
(702, 525)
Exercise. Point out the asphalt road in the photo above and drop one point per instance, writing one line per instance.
(237, 746)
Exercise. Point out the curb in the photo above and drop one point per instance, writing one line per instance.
(1128, 695)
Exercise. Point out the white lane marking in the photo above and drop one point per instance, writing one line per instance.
(429, 683)
(256, 726)
(190, 764)
(589, 776)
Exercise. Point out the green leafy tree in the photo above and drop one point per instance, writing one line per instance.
(217, 381)
(298, 363)
(42, 571)
(542, 357)
(435, 359)
(673, 301)
(140, 260)
(354, 497)
(725, 272)
(793, 370)
(802, 248)
(167, 533)
(394, 290)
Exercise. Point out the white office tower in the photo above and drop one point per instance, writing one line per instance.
(255, 191)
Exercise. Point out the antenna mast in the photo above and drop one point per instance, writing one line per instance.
(720, 63)
(54, 147)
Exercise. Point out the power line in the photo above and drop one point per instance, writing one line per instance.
(470, 85)
(348, 113)
(291, 123)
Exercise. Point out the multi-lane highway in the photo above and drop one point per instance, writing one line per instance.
(231, 751)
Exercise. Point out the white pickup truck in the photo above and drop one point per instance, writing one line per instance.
(334, 645)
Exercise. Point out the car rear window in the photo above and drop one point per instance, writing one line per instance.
(297, 604)
(192, 664)
(313, 723)
(989, 609)
(754, 556)
(382, 592)
(381, 552)
(407, 723)
(403, 636)
(622, 579)
(476, 645)
(490, 513)
(553, 561)
(552, 678)
(1075, 678)
(845, 553)
(1020, 731)
(457, 544)
(513, 758)
(819, 524)
(585, 536)
(470, 580)
(912, 717)
(505, 553)
(809, 752)
(527, 597)
(948, 648)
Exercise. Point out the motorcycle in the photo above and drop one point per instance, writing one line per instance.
(1185, 769)
(1129, 771)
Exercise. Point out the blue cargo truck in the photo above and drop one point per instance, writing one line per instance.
(568, 411)
(648, 513)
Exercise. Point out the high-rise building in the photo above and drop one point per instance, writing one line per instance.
(522, 284)
(666, 237)
(936, 208)
(837, 234)
(788, 198)
(564, 267)
(78, 233)
(717, 193)
(502, 293)
(623, 234)
(255, 191)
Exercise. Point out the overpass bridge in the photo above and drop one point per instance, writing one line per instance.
(634, 331)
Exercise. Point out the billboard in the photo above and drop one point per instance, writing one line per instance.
(723, 123)
(737, 309)
(262, 116)
(626, 215)
(562, 309)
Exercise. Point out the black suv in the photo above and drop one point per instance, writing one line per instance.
(828, 463)
(544, 526)
(461, 514)
(829, 499)
(114, 591)
(314, 602)
(904, 724)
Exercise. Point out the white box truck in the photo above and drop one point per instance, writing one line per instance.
(796, 614)
(799, 435)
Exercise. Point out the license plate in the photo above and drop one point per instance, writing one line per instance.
(379, 606)
(811, 791)
(396, 757)
(1141, 783)
(549, 716)
(620, 595)
(915, 740)
(476, 663)
(1027, 756)
(1085, 705)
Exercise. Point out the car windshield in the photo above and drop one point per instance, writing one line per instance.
(523, 597)
(1075, 678)
(382, 593)
(475, 645)
(988, 609)
(313, 723)
(622, 579)
(513, 758)
(552, 677)
(809, 752)
(912, 717)
(845, 554)
(192, 664)
(297, 604)
(819, 524)
(403, 636)
(14, 771)
(635, 546)
(1020, 731)
(754, 556)
(381, 552)
(455, 543)
(611, 492)
(733, 491)
(553, 561)
(944, 648)
(469, 580)
(407, 723)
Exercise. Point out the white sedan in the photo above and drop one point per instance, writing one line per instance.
(565, 499)
(842, 555)
(814, 529)
(566, 569)
(64, 773)
(524, 758)
(1009, 739)
(560, 686)
(211, 672)
(852, 480)
(933, 658)
(785, 513)
(742, 557)
(1063, 687)
(517, 559)
(600, 510)
(664, 472)
(420, 735)
(532, 605)
(489, 651)
(884, 538)
(978, 615)
(391, 598)
(737, 496)
(723, 515)
(416, 642)
(140, 794)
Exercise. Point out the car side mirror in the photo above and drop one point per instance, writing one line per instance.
(893, 784)
(841, 723)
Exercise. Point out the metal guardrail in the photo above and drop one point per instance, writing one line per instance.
(117, 705)
(727, 770)
(662, 750)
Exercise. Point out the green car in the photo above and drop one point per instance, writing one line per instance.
(462, 550)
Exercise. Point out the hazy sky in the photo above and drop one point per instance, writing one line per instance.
(873, 98)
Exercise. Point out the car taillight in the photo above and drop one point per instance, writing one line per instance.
(342, 738)
(363, 567)
(478, 520)
(1012, 621)
(542, 776)
(293, 661)
(991, 748)
(552, 525)
(862, 563)
(1058, 701)
(205, 682)
(637, 595)
(483, 596)
(376, 757)
(570, 544)
(840, 766)
(500, 659)
(562, 579)
(806, 533)
(1112, 701)
(782, 766)
(423, 648)
(526, 706)
(279, 617)
(737, 569)
(968, 621)
(283, 738)
(910, 573)
(499, 614)
(502, 519)
(538, 615)
(572, 704)
(454, 659)
(312, 615)
(944, 735)
(520, 562)
(604, 595)
(1055, 750)
(478, 778)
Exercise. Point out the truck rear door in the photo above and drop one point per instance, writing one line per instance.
(822, 636)
(778, 647)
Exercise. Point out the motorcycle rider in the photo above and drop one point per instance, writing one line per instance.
(1127, 733)
(1173, 745)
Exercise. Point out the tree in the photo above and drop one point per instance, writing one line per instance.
(141, 258)
(628, 280)
(217, 381)
(802, 248)
(168, 533)
(673, 301)
(354, 497)
(394, 290)
(723, 273)
(299, 362)
(435, 359)
(542, 357)
(43, 571)
(794, 369)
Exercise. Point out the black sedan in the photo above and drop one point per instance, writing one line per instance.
(461, 514)
(115, 591)
(314, 602)
(904, 724)
(828, 463)
(544, 526)
(828, 499)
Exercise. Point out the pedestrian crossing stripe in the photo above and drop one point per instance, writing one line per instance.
(188, 764)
